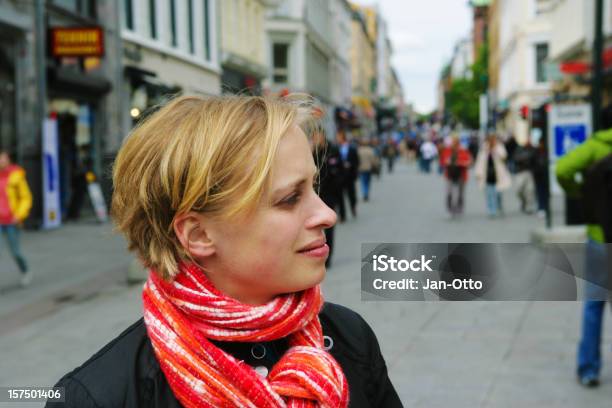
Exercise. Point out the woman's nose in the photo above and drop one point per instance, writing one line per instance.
(324, 216)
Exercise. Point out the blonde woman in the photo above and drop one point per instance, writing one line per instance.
(492, 174)
(216, 197)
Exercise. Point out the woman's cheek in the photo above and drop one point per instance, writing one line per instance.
(280, 232)
(264, 266)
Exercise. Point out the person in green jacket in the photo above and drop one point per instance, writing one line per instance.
(577, 161)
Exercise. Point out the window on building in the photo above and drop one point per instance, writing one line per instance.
(206, 25)
(172, 16)
(280, 62)
(88, 8)
(542, 6)
(190, 26)
(541, 52)
(153, 18)
(128, 12)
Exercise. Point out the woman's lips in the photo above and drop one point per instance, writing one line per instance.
(319, 252)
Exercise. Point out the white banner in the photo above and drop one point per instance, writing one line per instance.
(52, 215)
(483, 111)
(97, 200)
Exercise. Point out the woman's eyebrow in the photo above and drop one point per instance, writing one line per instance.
(291, 186)
(295, 184)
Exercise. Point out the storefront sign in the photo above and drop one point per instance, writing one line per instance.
(77, 42)
(52, 216)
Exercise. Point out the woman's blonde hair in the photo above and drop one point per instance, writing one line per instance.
(212, 155)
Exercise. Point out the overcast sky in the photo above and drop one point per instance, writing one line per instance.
(423, 33)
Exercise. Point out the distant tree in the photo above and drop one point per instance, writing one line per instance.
(462, 99)
(424, 117)
(446, 70)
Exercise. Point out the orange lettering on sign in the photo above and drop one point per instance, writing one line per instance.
(77, 42)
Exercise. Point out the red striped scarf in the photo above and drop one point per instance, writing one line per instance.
(183, 315)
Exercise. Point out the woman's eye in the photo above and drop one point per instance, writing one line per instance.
(292, 199)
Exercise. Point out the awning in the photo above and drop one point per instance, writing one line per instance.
(149, 79)
(583, 67)
(73, 81)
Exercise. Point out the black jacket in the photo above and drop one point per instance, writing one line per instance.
(125, 373)
(524, 158)
(351, 164)
(328, 159)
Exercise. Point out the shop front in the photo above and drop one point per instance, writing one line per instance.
(13, 28)
(235, 82)
(76, 89)
(241, 76)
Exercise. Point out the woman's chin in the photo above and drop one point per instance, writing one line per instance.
(319, 275)
(312, 278)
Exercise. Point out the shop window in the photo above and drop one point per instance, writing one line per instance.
(541, 52)
(542, 6)
(280, 62)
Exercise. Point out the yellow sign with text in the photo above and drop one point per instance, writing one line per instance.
(77, 42)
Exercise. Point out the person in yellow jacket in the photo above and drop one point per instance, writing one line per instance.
(15, 205)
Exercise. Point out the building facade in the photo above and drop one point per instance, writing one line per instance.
(571, 50)
(243, 46)
(341, 87)
(301, 52)
(363, 68)
(17, 77)
(169, 47)
(463, 59)
(494, 20)
(480, 22)
(524, 41)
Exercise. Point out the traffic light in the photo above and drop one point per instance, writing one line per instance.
(525, 112)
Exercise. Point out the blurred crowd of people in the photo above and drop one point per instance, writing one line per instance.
(499, 164)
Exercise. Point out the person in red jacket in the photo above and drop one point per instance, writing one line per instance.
(455, 160)
(15, 205)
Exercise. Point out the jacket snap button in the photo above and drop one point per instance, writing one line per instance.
(261, 370)
(258, 351)
(328, 343)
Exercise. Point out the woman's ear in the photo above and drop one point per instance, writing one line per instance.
(191, 233)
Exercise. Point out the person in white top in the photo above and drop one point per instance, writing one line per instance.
(429, 151)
